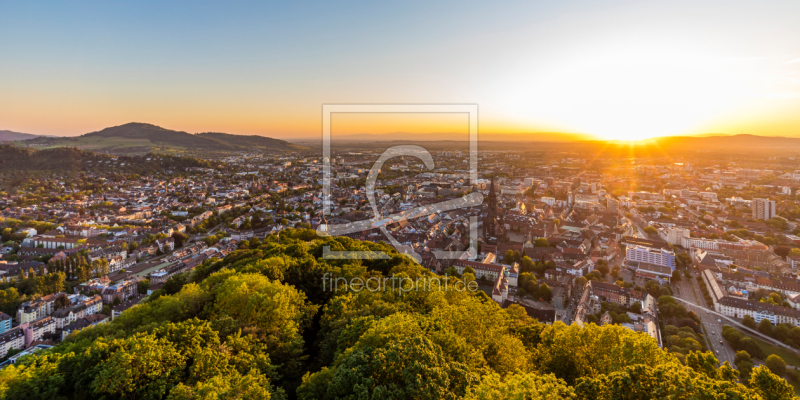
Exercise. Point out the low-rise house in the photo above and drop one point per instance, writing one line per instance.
(123, 290)
(35, 309)
(166, 244)
(87, 321)
(117, 310)
(63, 317)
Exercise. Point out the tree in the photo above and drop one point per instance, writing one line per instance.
(520, 386)
(391, 371)
(749, 345)
(602, 266)
(776, 365)
(180, 239)
(121, 375)
(781, 251)
(62, 301)
(745, 368)
(174, 283)
(580, 282)
(650, 230)
(684, 259)
(706, 363)
(676, 276)
(508, 257)
(527, 264)
(452, 271)
(143, 286)
(741, 356)
(544, 292)
(669, 307)
(781, 332)
(541, 242)
(765, 327)
(749, 322)
(9, 300)
(527, 283)
(768, 385)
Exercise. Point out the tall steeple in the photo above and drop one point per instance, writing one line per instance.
(493, 228)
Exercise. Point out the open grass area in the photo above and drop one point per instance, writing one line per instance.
(96, 143)
(113, 145)
(788, 356)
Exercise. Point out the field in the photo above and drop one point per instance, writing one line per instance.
(788, 356)
(94, 143)
(110, 144)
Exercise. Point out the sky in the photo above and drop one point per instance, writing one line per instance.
(600, 69)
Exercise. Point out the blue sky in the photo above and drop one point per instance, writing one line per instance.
(615, 69)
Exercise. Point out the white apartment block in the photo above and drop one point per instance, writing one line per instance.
(737, 307)
(763, 209)
(676, 235)
(648, 255)
(699, 243)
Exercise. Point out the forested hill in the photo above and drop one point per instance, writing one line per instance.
(71, 160)
(207, 141)
(264, 324)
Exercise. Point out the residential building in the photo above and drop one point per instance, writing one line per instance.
(5, 322)
(763, 208)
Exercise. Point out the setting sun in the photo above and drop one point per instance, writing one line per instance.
(621, 92)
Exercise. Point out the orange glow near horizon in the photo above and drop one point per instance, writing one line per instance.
(444, 125)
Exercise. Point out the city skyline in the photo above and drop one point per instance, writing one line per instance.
(618, 70)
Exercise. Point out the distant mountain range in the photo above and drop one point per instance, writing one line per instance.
(139, 137)
(142, 138)
(211, 140)
(742, 141)
(456, 136)
(8, 136)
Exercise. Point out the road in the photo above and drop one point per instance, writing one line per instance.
(714, 321)
(635, 230)
(711, 322)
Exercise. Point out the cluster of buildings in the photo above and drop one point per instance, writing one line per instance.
(567, 211)
(595, 293)
(731, 296)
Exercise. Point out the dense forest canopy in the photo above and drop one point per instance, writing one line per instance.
(72, 160)
(261, 324)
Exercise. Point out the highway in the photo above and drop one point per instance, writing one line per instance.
(714, 321)
(713, 327)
